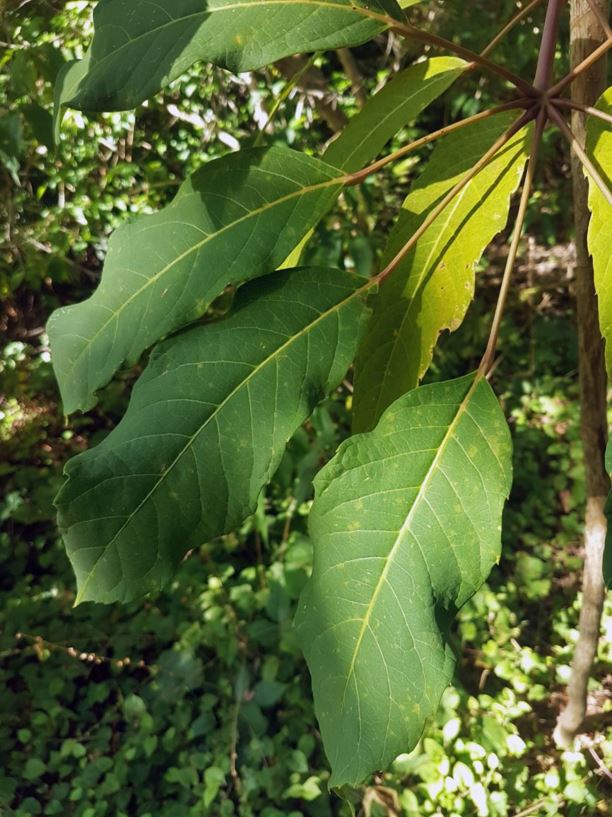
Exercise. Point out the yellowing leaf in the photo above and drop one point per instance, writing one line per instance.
(433, 286)
(599, 146)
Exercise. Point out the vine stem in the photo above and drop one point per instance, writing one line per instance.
(579, 151)
(509, 26)
(548, 45)
(360, 175)
(528, 116)
(580, 68)
(585, 109)
(489, 355)
(598, 14)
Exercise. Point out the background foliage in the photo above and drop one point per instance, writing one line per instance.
(198, 701)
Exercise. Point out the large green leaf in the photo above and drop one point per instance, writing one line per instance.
(599, 145)
(432, 288)
(235, 219)
(406, 527)
(397, 104)
(140, 46)
(205, 430)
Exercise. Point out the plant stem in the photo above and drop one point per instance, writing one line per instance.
(585, 109)
(360, 175)
(548, 47)
(489, 355)
(580, 68)
(490, 154)
(509, 26)
(598, 14)
(585, 33)
(579, 152)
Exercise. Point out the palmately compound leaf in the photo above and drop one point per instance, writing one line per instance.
(599, 146)
(406, 527)
(432, 288)
(205, 430)
(235, 219)
(384, 114)
(142, 45)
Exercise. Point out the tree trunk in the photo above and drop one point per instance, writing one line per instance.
(586, 35)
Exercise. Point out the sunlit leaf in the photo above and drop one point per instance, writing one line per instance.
(432, 288)
(205, 430)
(396, 105)
(599, 145)
(235, 219)
(406, 526)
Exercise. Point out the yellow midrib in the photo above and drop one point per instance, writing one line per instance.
(405, 527)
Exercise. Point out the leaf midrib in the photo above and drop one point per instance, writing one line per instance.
(382, 18)
(405, 527)
(243, 383)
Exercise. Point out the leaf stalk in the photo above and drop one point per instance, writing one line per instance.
(588, 110)
(548, 46)
(412, 33)
(579, 69)
(510, 25)
(359, 176)
(580, 152)
(523, 120)
(489, 355)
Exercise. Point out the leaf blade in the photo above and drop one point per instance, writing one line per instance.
(164, 270)
(189, 459)
(599, 146)
(165, 38)
(384, 580)
(401, 100)
(433, 286)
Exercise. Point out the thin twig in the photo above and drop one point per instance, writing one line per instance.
(489, 355)
(360, 175)
(579, 151)
(518, 18)
(585, 109)
(580, 68)
(450, 196)
(598, 13)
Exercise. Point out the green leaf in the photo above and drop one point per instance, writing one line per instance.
(205, 430)
(599, 147)
(406, 527)
(385, 113)
(141, 46)
(235, 219)
(432, 288)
